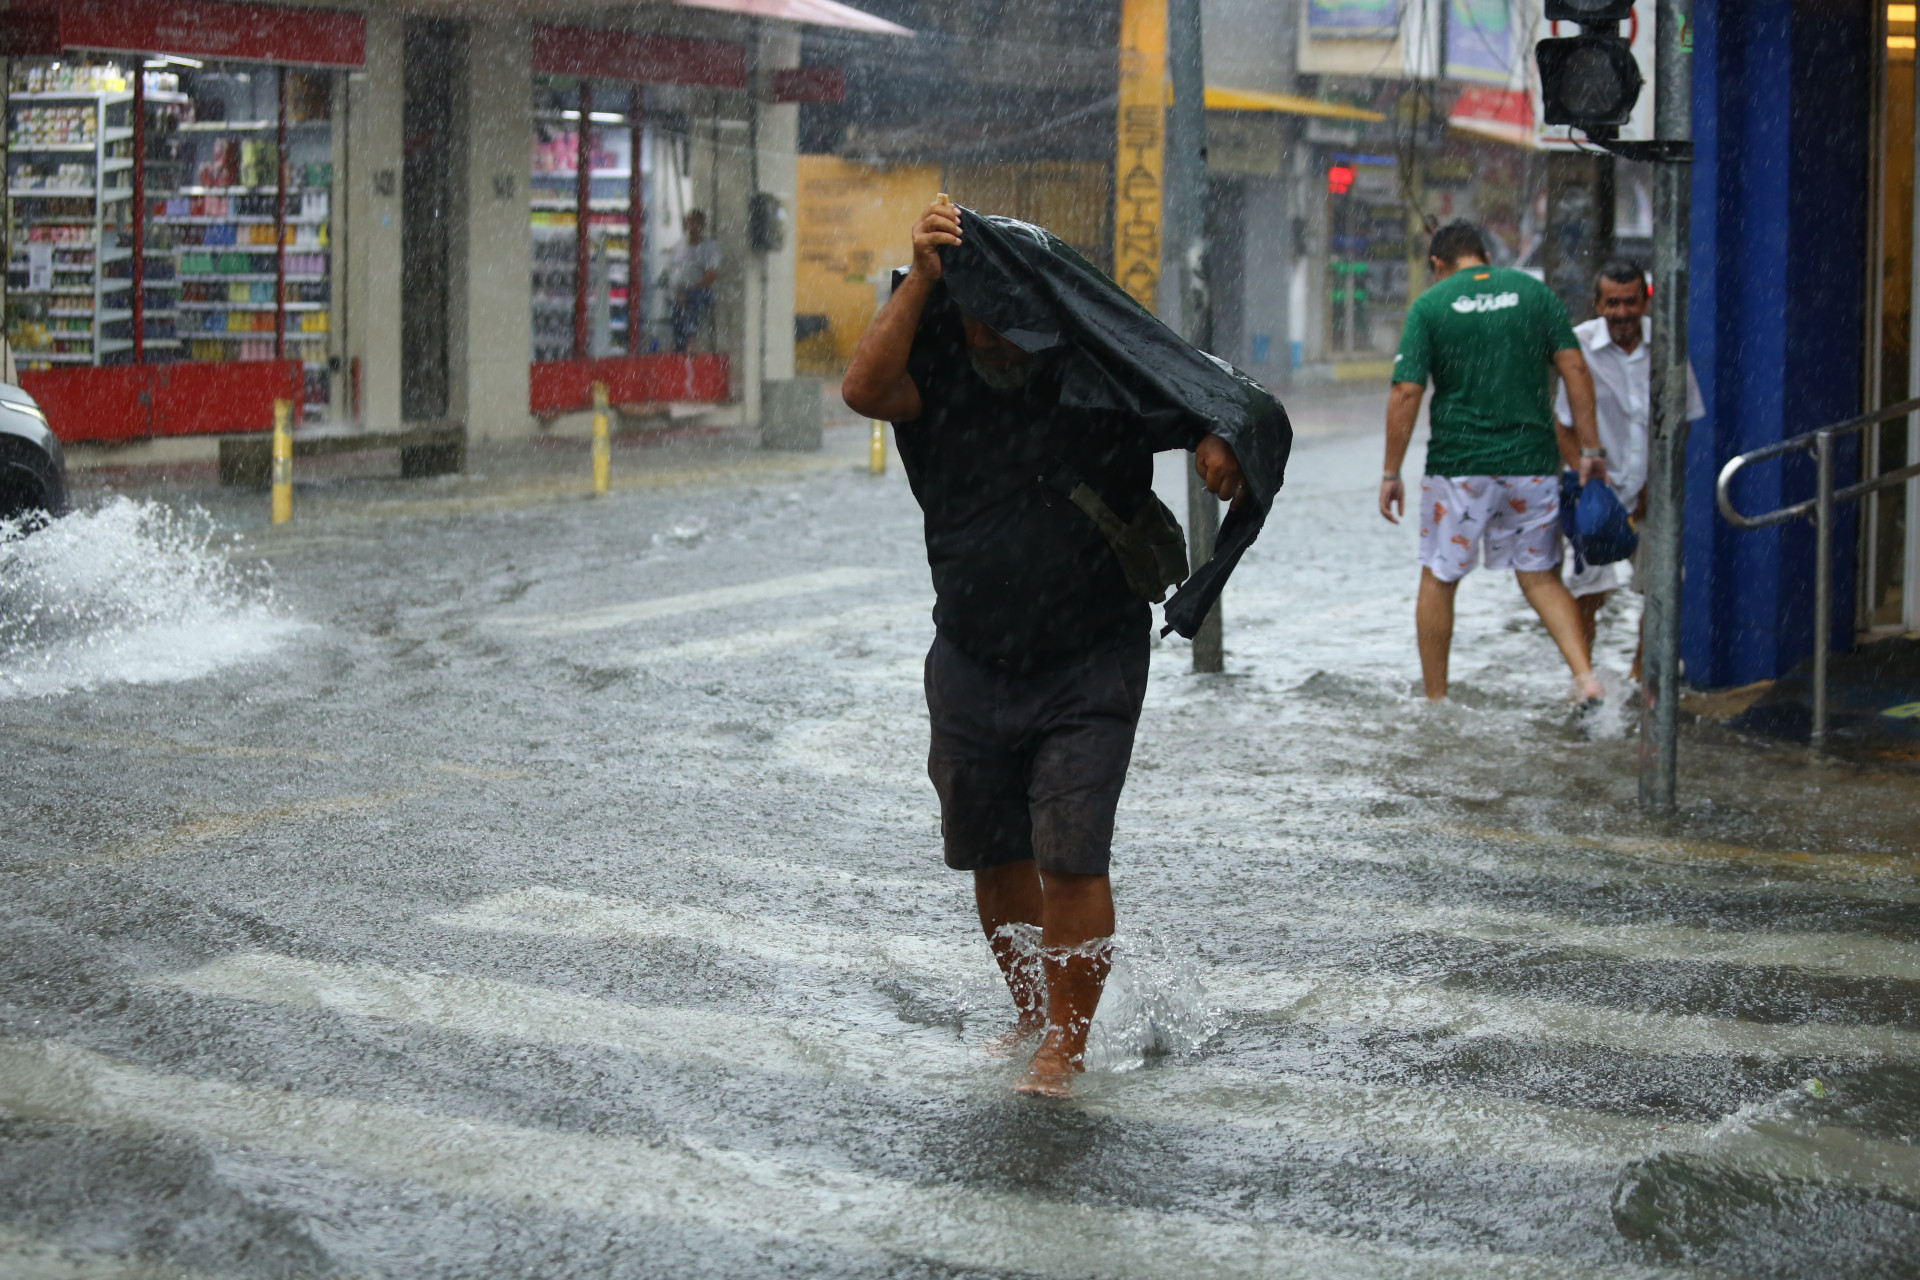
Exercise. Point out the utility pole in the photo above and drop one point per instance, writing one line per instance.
(1187, 238)
(1667, 469)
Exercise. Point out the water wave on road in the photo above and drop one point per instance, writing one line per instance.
(129, 592)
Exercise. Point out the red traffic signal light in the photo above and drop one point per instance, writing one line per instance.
(1339, 180)
(1589, 10)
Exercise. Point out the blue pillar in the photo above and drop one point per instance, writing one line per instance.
(1777, 315)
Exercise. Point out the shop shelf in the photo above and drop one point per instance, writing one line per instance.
(251, 306)
(73, 315)
(256, 277)
(151, 343)
(236, 219)
(599, 204)
(71, 95)
(570, 175)
(115, 344)
(86, 148)
(248, 126)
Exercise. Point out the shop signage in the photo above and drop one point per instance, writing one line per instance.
(1141, 159)
(808, 84)
(1371, 19)
(207, 28)
(638, 59)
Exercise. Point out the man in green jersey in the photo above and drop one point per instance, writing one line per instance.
(1486, 336)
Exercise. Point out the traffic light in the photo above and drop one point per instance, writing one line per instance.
(1591, 80)
(1589, 10)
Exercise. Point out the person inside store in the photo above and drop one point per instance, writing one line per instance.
(1616, 346)
(1488, 337)
(693, 267)
(1038, 667)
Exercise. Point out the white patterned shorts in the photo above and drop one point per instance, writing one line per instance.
(1516, 518)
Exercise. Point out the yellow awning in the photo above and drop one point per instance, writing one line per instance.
(1219, 99)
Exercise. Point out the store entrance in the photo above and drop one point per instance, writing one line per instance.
(1890, 537)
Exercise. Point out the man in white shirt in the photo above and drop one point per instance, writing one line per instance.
(692, 267)
(1616, 345)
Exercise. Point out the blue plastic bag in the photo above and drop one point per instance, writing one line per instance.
(1595, 523)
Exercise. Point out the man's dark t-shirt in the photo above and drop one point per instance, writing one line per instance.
(1024, 579)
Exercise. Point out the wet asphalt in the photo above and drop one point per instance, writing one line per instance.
(484, 880)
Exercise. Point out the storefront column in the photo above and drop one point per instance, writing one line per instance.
(780, 177)
(1776, 316)
(374, 97)
(490, 337)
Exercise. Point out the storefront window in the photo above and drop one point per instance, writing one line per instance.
(69, 213)
(208, 184)
(588, 298)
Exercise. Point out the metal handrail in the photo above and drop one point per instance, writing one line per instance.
(1820, 443)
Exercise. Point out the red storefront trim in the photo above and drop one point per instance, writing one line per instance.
(558, 386)
(621, 55)
(808, 84)
(135, 401)
(205, 28)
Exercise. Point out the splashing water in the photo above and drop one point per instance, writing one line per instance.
(130, 592)
(1153, 1005)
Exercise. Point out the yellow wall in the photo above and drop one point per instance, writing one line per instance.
(852, 224)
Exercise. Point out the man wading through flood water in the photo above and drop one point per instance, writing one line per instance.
(1032, 460)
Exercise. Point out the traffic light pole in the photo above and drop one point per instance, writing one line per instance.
(1187, 237)
(1667, 469)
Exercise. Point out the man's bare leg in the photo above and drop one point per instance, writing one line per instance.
(1078, 923)
(1433, 622)
(1555, 605)
(1011, 895)
(1590, 607)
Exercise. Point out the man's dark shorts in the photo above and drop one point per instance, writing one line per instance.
(1031, 766)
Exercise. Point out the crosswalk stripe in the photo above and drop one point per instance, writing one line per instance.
(571, 914)
(622, 615)
(1338, 1115)
(747, 644)
(748, 1194)
(1329, 997)
(1843, 954)
(1314, 996)
(22, 1256)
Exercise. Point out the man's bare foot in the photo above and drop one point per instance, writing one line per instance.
(1008, 1042)
(1051, 1073)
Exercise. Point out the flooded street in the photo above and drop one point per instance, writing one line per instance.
(454, 884)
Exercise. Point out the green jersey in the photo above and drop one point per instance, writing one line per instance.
(1485, 335)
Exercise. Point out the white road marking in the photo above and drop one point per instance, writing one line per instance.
(749, 1194)
(567, 914)
(1844, 954)
(623, 615)
(22, 1256)
(763, 640)
(1334, 997)
(1338, 998)
(1347, 1118)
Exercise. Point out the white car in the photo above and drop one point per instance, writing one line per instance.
(33, 471)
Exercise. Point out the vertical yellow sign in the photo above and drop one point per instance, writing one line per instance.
(1140, 158)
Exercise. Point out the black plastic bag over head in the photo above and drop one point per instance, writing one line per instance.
(1116, 357)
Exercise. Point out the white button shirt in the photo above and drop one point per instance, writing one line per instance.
(1623, 396)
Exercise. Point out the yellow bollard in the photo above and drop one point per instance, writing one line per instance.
(282, 461)
(877, 450)
(602, 445)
